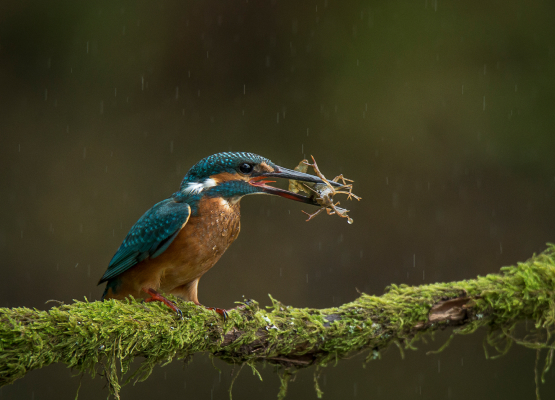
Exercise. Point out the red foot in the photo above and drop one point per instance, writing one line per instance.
(155, 296)
(220, 311)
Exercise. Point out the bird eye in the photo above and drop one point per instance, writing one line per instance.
(245, 168)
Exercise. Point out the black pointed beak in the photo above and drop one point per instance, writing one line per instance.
(285, 173)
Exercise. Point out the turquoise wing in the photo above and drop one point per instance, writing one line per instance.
(149, 237)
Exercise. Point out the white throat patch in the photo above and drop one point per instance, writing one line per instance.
(208, 183)
(197, 187)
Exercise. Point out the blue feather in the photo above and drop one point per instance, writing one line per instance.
(149, 237)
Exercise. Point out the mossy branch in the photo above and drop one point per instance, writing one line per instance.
(106, 336)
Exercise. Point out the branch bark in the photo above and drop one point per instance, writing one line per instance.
(107, 336)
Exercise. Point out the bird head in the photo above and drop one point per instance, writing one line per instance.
(234, 175)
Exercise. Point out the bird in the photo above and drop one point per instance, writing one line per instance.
(180, 238)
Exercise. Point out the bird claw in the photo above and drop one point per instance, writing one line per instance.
(155, 296)
(223, 312)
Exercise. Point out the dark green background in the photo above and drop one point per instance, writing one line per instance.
(443, 112)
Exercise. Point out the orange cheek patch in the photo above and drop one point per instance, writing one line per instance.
(265, 167)
(226, 176)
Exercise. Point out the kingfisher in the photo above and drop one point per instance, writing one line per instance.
(180, 238)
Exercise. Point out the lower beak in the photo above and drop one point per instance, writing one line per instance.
(285, 173)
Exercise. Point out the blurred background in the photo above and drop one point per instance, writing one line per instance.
(442, 112)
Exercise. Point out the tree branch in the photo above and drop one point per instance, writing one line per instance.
(100, 336)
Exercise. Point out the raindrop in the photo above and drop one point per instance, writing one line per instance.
(484, 104)
(306, 278)
(177, 92)
(414, 260)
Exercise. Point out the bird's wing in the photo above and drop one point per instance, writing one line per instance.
(149, 237)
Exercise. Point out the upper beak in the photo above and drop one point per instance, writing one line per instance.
(281, 172)
(285, 173)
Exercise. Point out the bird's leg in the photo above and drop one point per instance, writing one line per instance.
(155, 296)
(221, 311)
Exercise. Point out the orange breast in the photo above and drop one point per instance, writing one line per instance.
(197, 247)
(201, 243)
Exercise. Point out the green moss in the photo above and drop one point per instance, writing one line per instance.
(107, 336)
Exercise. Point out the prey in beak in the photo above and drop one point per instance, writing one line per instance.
(261, 181)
